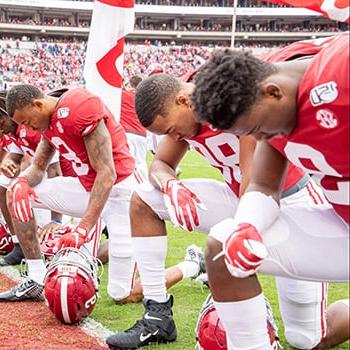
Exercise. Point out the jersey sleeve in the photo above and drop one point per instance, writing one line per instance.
(88, 116)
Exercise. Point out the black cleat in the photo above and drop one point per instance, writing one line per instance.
(27, 289)
(156, 326)
(14, 257)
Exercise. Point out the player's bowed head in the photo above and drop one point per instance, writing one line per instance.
(27, 105)
(242, 94)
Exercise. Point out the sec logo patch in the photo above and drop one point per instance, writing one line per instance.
(326, 119)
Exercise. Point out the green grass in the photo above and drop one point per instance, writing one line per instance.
(188, 298)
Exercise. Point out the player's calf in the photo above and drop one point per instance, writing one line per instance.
(144, 221)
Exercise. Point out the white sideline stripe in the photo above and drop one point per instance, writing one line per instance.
(89, 326)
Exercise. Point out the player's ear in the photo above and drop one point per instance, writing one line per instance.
(38, 103)
(272, 90)
(183, 99)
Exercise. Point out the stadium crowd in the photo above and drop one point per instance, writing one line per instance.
(270, 26)
(179, 25)
(53, 64)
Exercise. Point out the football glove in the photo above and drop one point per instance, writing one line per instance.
(182, 205)
(76, 238)
(244, 251)
(21, 195)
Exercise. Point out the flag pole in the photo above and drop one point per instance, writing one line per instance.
(234, 16)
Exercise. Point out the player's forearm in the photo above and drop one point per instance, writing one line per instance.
(34, 175)
(42, 157)
(98, 197)
(160, 173)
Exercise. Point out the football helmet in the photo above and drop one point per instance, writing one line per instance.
(6, 243)
(71, 285)
(211, 334)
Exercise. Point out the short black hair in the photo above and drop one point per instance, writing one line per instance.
(152, 97)
(134, 81)
(3, 111)
(227, 86)
(21, 96)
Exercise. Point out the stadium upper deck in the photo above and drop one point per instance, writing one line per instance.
(169, 20)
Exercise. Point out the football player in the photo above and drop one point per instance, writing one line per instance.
(200, 204)
(21, 146)
(85, 133)
(299, 110)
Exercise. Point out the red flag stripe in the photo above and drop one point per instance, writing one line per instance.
(335, 9)
(118, 3)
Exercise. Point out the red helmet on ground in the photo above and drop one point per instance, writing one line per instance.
(209, 330)
(211, 334)
(71, 285)
(6, 243)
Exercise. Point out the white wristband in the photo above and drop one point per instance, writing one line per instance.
(257, 209)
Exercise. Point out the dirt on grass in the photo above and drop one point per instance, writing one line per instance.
(31, 326)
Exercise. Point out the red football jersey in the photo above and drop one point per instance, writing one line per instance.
(128, 118)
(27, 140)
(77, 114)
(320, 142)
(221, 150)
(299, 49)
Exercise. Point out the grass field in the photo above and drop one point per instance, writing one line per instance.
(188, 297)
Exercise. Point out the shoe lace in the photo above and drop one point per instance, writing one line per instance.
(140, 325)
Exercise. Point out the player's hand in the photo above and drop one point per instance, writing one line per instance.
(22, 193)
(182, 205)
(9, 168)
(45, 232)
(244, 251)
(76, 238)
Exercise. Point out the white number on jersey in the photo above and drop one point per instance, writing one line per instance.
(296, 151)
(79, 167)
(213, 151)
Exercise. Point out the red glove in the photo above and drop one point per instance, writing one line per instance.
(182, 205)
(21, 195)
(76, 238)
(244, 251)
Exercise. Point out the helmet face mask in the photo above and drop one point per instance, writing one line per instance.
(71, 285)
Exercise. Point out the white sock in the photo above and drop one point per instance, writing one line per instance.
(36, 270)
(150, 253)
(120, 276)
(188, 268)
(15, 239)
(245, 323)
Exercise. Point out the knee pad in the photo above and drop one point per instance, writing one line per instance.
(300, 339)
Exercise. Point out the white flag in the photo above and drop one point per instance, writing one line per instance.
(111, 21)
